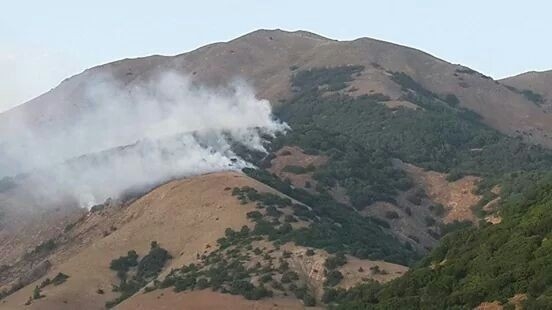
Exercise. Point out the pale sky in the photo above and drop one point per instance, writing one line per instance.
(43, 42)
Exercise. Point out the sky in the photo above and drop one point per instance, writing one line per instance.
(44, 42)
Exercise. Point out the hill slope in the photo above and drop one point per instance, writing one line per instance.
(194, 220)
(539, 83)
(385, 153)
(502, 265)
(184, 216)
(265, 58)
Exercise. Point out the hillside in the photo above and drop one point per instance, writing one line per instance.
(502, 266)
(539, 83)
(183, 216)
(390, 159)
(187, 218)
(267, 59)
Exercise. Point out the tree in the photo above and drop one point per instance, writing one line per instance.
(36, 293)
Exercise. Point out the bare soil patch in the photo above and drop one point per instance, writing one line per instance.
(457, 196)
(295, 156)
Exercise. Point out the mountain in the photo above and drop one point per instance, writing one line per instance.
(395, 170)
(494, 267)
(539, 83)
(187, 218)
(265, 58)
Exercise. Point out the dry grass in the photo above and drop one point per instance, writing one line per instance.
(395, 104)
(457, 196)
(205, 300)
(294, 156)
(186, 217)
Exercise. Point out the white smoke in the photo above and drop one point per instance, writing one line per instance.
(138, 135)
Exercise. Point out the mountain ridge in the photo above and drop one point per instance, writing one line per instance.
(540, 82)
(263, 58)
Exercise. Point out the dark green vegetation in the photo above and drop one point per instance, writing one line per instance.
(227, 269)
(466, 70)
(492, 263)
(334, 227)
(59, 279)
(298, 169)
(361, 133)
(333, 276)
(318, 78)
(361, 136)
(44, 248)
(241, 265)
(37, 293)
(528, 94)
(134, 274)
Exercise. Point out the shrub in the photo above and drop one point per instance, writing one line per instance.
(433, 234)
(429, 221)
(59, 278)
(151, 264)
(272, 211)
(466, 70)
(286, 254)
(455, 226)
(45, 247)
(309, 300)
(437, 210)
(254, 215)
(97, 208)
(36, 293)
(69, 227)
(532, 96)
(202, 283)
(334, 78)
(257, 293)
(391, 215)
(416, 196)
(124, 263)
(335, 261)
(377, 270)
(265, 278)
(146, 269)
(298, 291)
(285, 229)
(290, 218)
(289, 276)
(277, 285)
(408, 83)
(333, 278)
(452, 100)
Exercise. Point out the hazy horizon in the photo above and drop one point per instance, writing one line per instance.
(499, 39)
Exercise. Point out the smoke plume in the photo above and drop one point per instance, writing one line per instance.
(134, 136)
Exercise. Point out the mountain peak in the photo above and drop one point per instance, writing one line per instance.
(279, 33)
